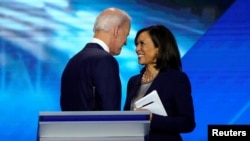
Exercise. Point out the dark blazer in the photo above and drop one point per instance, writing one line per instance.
(174, 90)
(91, 81)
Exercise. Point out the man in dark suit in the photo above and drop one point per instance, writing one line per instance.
(90, 80)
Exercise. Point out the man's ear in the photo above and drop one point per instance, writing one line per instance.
(116, 30)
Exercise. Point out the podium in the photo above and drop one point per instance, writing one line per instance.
(93, 126)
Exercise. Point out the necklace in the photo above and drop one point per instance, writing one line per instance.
(148, 76)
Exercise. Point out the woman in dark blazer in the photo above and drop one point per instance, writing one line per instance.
(158, 52)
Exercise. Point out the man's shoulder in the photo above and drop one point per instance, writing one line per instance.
(93, 46)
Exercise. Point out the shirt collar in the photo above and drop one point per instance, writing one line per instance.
(101, 43)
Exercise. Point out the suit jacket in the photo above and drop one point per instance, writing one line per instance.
(174, 90)
(91, 81)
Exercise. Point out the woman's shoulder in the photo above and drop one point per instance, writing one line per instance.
(171, 73)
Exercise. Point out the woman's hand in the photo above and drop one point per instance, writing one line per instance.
(141, 109)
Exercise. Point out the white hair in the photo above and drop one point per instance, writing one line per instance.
(109, 18)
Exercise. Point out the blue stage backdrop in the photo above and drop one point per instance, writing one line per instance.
(38, 37)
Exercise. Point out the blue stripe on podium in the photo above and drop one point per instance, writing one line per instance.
(58, 118)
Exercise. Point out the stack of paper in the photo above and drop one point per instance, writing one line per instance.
(151, 102)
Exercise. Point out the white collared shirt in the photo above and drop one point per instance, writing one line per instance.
(101, 43)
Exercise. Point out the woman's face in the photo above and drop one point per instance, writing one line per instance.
(145, 49)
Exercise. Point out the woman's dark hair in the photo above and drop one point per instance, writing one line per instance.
(168, 52)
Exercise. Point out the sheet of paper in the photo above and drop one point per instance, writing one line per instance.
(155, 105)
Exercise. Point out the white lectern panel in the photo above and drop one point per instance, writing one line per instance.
(93, 126)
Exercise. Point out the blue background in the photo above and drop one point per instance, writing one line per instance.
(38, 37)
